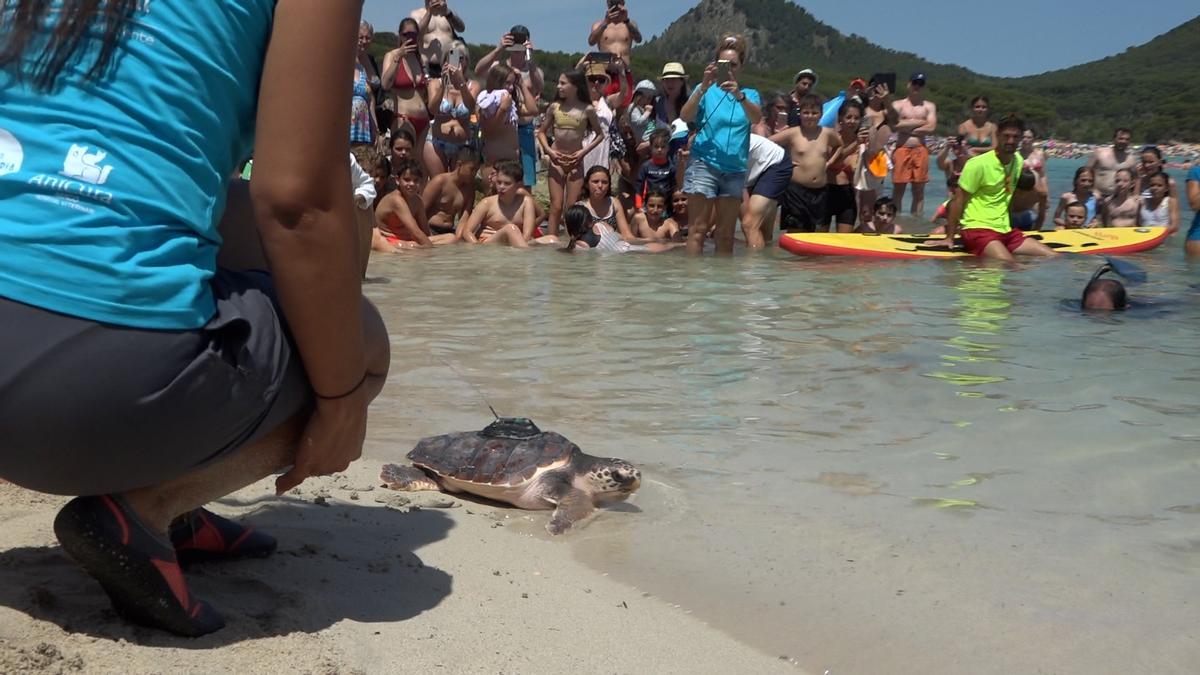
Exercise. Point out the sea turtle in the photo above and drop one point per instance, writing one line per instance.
(513, 461)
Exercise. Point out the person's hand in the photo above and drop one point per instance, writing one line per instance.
(409, 48)
(506, 41)
(619, 64)
(730, 86)
(455, 74)
(710, 76)
(438, 8)
(864, 135)
(332, 439)
(942, 243)
(613, 15)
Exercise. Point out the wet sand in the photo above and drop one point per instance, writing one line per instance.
(361, 583)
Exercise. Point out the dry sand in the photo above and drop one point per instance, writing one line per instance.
(359, 586)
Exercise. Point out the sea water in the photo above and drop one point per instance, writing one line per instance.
(861, 465)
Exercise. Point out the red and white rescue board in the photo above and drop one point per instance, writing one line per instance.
(1109, 241)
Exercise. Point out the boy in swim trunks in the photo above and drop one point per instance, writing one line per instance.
(507, 217)
(810, 146)
(450, 196)
(981, 203)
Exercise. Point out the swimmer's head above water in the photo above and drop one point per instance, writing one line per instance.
(1108, 295)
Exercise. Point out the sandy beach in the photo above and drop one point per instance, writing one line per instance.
(361, 583)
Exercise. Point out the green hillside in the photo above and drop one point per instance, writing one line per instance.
(1145, 88)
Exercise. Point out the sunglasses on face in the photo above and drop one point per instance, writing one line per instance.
(598, 79)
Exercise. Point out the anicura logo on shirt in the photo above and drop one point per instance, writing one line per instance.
(83, 170)
(12, 155)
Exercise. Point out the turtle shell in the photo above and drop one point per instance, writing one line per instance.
(474, 457)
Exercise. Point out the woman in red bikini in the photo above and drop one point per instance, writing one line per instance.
(404, 77)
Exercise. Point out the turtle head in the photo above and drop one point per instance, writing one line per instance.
(613, 479)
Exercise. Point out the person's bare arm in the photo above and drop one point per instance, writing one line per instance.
(954, 215)
(304, 214)
(597, 32)
(943, 157)
(528, 217)
(1172, 217)
(635, 34)
(433, 192)
(467, 227)
(623, 222)
(1193, 194)
(485, 64)
(391, 61)
(931, 120)
(1042, 207)
(617, 100)
(1093, 161)
(598, 131)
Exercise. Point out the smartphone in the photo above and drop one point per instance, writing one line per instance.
(885, 78)
(455, 58)
(613, 4)
(601, 57)
(514, 47)
(723, 70)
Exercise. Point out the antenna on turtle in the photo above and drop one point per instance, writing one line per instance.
(469, 384)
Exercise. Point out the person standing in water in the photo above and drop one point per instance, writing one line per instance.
(1192, 244)
(918, 119)
(127, 292)
(980, 207)
(1105, 162)
(978, 132)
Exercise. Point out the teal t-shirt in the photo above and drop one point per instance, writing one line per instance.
(112, 189)
(723, 138)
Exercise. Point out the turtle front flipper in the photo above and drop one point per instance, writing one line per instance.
(407, 479)
(572, 507)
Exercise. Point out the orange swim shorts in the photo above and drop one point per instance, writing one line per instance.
(911, 165)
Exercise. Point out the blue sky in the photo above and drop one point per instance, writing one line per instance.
(1039, 35)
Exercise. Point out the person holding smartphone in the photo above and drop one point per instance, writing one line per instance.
(436, 39)
(718, 161)
(616, 34)
(516, 50)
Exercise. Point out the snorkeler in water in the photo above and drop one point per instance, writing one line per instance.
(1109, 294)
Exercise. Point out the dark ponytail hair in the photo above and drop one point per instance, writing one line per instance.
(77, 21)
(578, 220)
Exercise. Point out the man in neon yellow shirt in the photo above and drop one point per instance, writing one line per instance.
(981, 201)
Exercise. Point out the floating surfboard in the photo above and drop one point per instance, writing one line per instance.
(1110, 241)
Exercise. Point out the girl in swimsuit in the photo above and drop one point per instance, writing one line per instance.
(841, 204)
(602, 206)
(404, 77)
(504, 91)
(451, 101)
(1159, 210)
(1121, 209)
(1085, 192)
(568, 119)
(978, 132)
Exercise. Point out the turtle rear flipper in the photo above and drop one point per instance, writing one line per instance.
(572, 507)
(407, 479)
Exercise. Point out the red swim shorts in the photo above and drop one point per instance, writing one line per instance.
(911, 165)
(976, 239)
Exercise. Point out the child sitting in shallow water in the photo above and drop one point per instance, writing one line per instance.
(652, 222)
(589, 233)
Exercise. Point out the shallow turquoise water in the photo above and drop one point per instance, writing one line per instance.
(853, 463)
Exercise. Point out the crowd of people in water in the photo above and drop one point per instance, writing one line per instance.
(683, 158)
(174, 334)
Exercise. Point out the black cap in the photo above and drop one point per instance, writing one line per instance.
(519, 33)
(917, 77)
